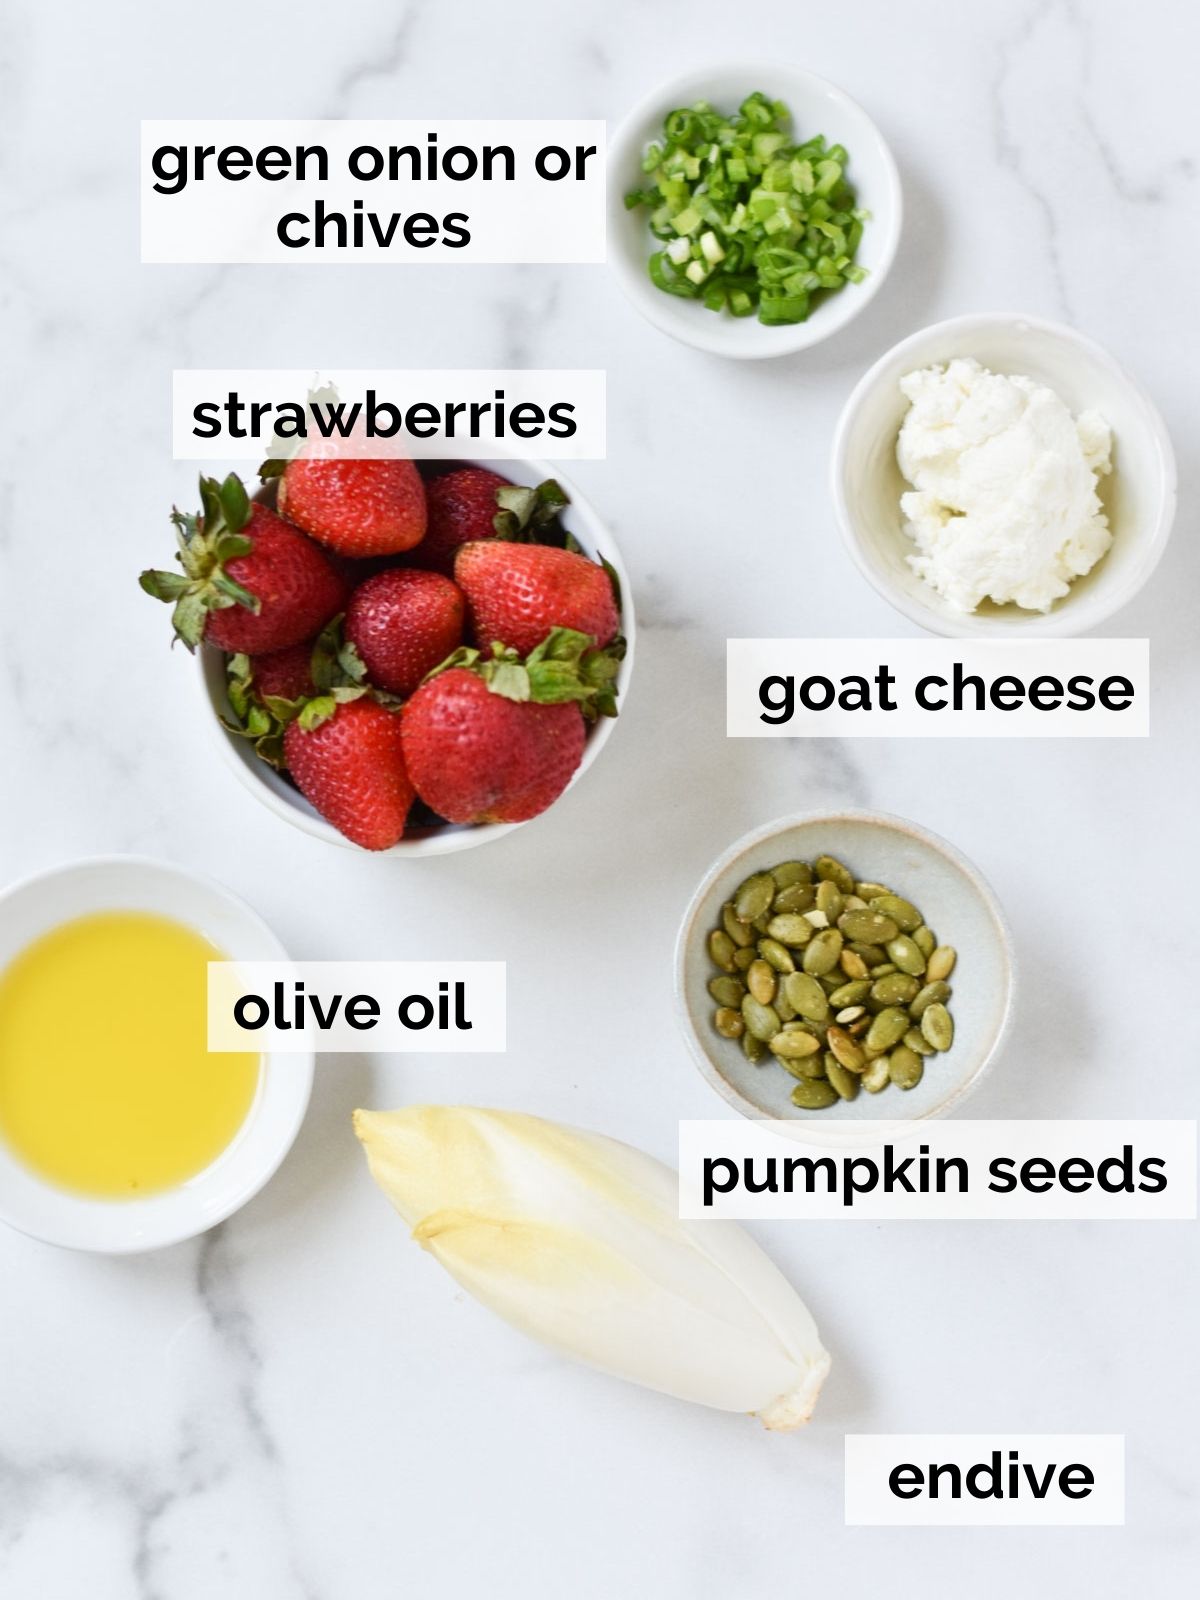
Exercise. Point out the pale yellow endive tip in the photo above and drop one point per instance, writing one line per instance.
(576, 1239)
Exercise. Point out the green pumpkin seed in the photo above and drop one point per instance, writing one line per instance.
(925, 940)
(754, 1050)
(849, 1014)
(848, 994)
(790, 928)
(721, 948)
(814, 1095)
(728, 1023)
(938, 1026)
(845, 1050)
(830, 981)
(778, 955)
(931, 994)
(853, 965)
(807, 995)
(916, 1041)
(727, 991)
(888, 1028)
(761, 980)
(902, 912)
(941, 963)
(867, 927)
(754, 896)
(822, 952)
(737, 931)
(876, 1077)
(883, 970)
(744, 959)
(796, 897)
(870, 891)
(759, 925)
(761, 1020)
(789, 873)
(786, 1010)
(894, 989)
(843, 1080)
(872, 954)
(803, 1066)
(906, 955)
(794, 1044)
(905, 1068)
(854, 902)
(830, 870)
(829, 899)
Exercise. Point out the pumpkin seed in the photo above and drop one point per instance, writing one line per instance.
(754, 896)
(906, 955)
(872, 954)
(721, 948)
(786, 1011)
(916, 1040)
(941, 963)
(850, 994)
(850, 1014)
(754, 1050)
(870, 891)
(803, 1066)
(727, 991)
(876, 1077)
(883, 970)
(931, 994)
(761, 1020)
(807, 995)
(925, 940)
(829, 899)
(854, 902)
(867, 927)
(845, 1050)
(728, 1023)
(794, 1044)
(789, 873)
(938, 1026)
(830, 870)
(822, 952)
(761, 980)
(888, 1028)
(745, 958)
(905, 1068)
(853, 965)
(844, 1081)
(778, 955)
(796, 897)
(790, 928)
(815, 1094)
(737, 931)
(894, 989)
(902, 912)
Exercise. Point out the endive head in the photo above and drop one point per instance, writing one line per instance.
(576, 1239)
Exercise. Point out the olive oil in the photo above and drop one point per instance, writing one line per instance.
(106, 1084)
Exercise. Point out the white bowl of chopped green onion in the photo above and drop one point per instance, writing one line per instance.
(752, 210)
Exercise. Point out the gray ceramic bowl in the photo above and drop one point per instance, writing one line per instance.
(960, 907)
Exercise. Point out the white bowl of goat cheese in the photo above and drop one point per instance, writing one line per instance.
(998, 473)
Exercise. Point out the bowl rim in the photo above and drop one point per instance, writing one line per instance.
(892, 823)
(293, 1070)
(1057, 623)
(450, 840)
(714, 334)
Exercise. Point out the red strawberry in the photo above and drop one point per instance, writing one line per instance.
(403, 623)
(462, 507)
(250, 583)
(359, 508)
(476, 756)
(517, 593)
(285, 674)
(351, 767)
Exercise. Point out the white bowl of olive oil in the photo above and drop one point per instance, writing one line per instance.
(119, 1131)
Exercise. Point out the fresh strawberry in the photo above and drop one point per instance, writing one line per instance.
(346, 758)
(285, 674)
(403, 623)
(462, 507)
(250, 583)
(359, 508)
(517, 593)
(497, 739)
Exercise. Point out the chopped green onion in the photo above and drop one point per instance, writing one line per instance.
(748, 220)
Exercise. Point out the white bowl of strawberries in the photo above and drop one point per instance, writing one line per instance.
(411, 661)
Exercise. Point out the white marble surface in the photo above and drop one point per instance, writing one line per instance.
(300, 1406)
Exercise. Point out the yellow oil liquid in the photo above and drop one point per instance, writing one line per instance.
(106, 1085)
